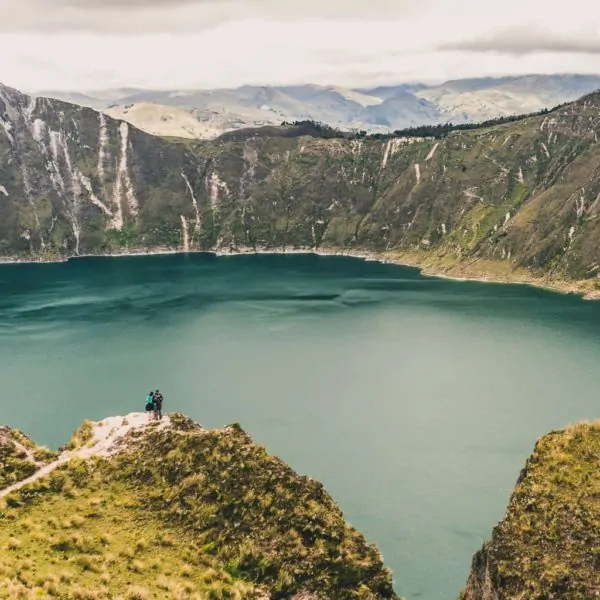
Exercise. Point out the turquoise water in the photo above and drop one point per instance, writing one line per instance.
(415, 400)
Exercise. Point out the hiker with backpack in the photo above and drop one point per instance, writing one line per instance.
(150, 406)
(158, 401)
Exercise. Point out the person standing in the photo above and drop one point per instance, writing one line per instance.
(158, 402)
(150, 405)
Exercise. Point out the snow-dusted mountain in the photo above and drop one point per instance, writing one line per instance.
(208, 113)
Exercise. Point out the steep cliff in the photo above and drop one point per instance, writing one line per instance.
(172, 510)
(73, 181)
(524, 194)
(548, 545)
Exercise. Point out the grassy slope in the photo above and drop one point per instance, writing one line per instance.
(185, 514)
(548, 545)
(518, 195)
(20, 457)
(94, 541)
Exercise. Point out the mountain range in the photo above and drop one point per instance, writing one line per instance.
(517, 200)
(205, 114)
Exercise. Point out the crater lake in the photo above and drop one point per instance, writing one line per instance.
(415, 400)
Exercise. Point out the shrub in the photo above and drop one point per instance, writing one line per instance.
(13, 543)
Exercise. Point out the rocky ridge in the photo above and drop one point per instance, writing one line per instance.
(548, 544)
(225, 519)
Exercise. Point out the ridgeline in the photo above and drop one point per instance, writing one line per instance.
(172, 510)
(135, 511)
(513, 199)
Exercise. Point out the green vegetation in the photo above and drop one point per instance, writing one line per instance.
(324, 131)
(442, 130)
(19, 456)
(14, 464)
(182, 513)
(548, 545)
(81, 437)
(70, 538)
(126, 238)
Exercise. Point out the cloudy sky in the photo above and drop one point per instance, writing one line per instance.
(94, 44)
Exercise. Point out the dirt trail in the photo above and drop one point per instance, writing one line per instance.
(8, 437)
(107, 438)
(28, 452)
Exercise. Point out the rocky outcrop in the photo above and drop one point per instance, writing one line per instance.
(548, 545)
(169, 509)
(480, 584)
(20, 457)
(521, 195)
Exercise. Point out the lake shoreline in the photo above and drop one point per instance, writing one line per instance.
(429, 265)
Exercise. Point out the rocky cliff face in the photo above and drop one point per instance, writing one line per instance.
(548, 545)
(73, 181)
(172, 510)
(522, 194)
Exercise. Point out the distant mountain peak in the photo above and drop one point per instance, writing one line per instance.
(379, 109)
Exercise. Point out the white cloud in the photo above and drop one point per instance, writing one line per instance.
(69, 44)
